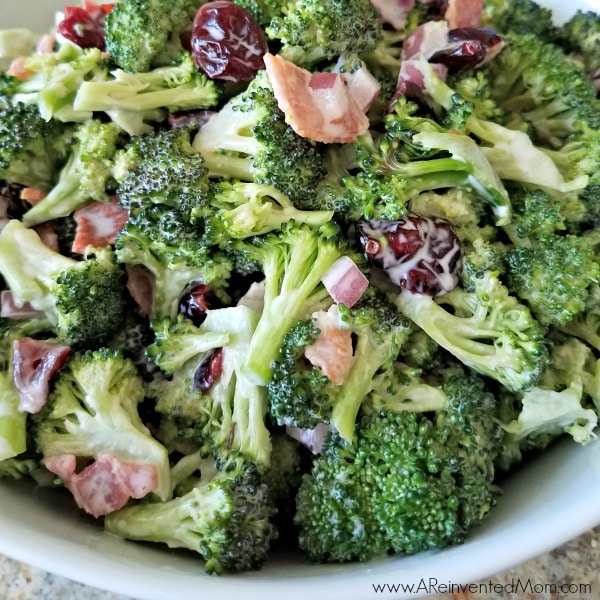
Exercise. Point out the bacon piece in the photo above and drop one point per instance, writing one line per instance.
(34, 364)
(140, 285)
(332, 350)
(17, 69)
(98, 224)
(310, 438)
(464, 13)
(425, 40)
(10, 310)
(105, 485)
(45, 45)
(317, 106)
(33, 195)
(362, 86)
(345, 282)
(393, 12)
(48, 235)
(410, 78)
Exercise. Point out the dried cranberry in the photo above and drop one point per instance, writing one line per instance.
(419, 254)
(194, 304)
(191, 118)
(84, 26)
(227, 43)
(487, 37)
(464, 55)
(209, 371)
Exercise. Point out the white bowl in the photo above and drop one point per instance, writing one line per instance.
(546, 503)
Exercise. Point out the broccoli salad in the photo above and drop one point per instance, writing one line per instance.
(313, 273)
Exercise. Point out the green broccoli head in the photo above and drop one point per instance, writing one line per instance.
(29, 154)
(93, 411)
(311, 31)
(580, 35)
(162, 168)
(83, 300)
(140, 34)
(161, 240)
(225, 517)
(87, 174)
(519, 16)
(248, 139)
(553, 276)
(409, 482)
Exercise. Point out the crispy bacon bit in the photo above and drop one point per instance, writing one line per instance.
(411, 80)
(464, 13)
(98, 224)
(17, 69)
(316, 106)
(362, 86)
(33, 195)
(332, 350)
(34, 364)
(425, 40)
(45, 45)
(48, 235)
(393, 12)
(10, 310)
(419, 254)
(310, 438)
(105, 485)
(345, 282)
(140, 285)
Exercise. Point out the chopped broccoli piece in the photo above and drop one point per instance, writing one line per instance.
(312, 31)
(83, 300)
(580, 35)
(519, 16)
(409, 482)
(248, 139)
(553, 276)
(302, 396)
(140, 34)
(86, 175)
(225, 517)
(28, 152)
(93, 409)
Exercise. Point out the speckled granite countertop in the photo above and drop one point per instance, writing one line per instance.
(571, 572)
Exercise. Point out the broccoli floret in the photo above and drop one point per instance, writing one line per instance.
(162, 168)
(140, 34)
(519, 16)
(263, 11)
(225, 517)
(240, 210)
(303, 396)
(93, 410)
(210, 394)
(474, 87)
(486, 328)
(83, 300)
(293, 263)
(311, 31)
(176, 87)
(580, 36)
(553, 276)
(409, 482)
(558, 403)
(161, 240)
(585, 325)
(86, 175)
(28, 154)
(536, 83)
(249, 140)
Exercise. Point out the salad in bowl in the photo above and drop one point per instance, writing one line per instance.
(312, 279)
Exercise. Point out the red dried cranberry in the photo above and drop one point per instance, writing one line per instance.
(464, 55)
(227, 43)
(194, 304)
(418, 254)
(84, 26)
(209, 371)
